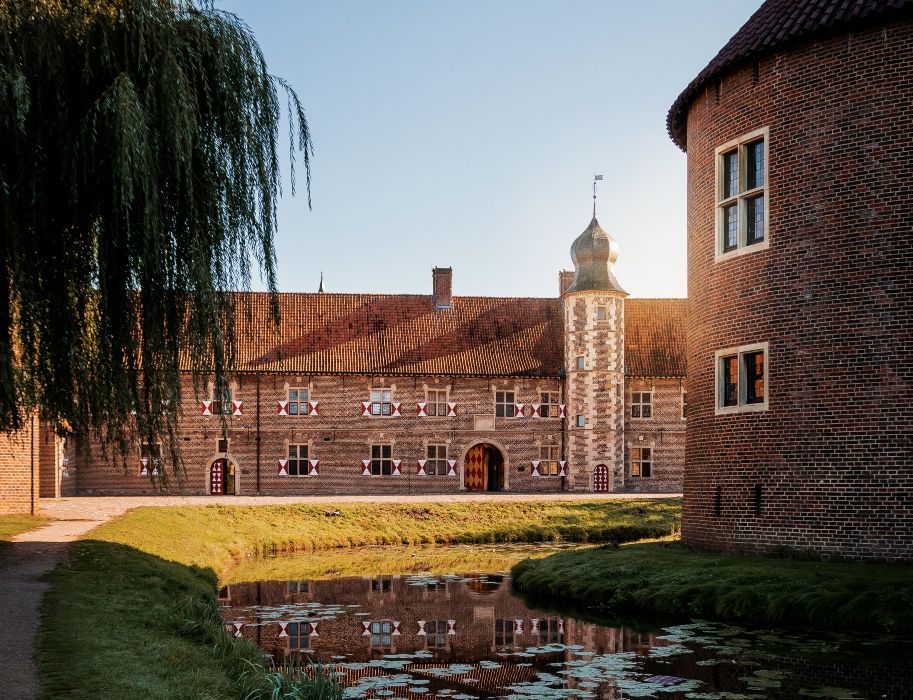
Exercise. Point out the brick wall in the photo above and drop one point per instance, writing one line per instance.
(832, 295)
(663, 433)
(19, 474)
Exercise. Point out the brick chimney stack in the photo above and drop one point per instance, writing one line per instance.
(442, 279)
(565, 278)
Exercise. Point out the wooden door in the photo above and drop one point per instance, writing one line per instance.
(601, 478)
(216, 475)
(475, 470)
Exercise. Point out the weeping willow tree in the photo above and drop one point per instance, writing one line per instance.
(139, 176)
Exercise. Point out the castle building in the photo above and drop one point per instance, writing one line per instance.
(395, 393)
(799, 136)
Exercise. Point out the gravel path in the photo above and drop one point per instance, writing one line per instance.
(33, 554)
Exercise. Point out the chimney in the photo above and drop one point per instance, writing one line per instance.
(442, 284)
(565, 278)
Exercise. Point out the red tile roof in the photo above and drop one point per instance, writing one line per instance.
(405, 334)
(774, 25)
(655, 337)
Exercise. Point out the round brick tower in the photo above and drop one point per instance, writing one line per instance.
(594, 364)
(799, 137)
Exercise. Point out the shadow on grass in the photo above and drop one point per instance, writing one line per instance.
(129, 624)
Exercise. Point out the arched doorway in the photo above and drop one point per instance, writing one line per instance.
(222, 477)
(601, 478)
(483, 468)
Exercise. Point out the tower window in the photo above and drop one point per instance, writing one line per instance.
(741, 194)
(601, 313)
(741, 379)
(581, 362)
(581, 421)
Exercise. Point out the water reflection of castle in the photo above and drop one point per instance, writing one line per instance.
(450, 621)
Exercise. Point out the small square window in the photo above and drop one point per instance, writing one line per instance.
(298, 402)
(642, 404)
(381, 402)
(601, 313)
(505, 404)
(548, 404)
(581, 362)
(548, 460)
(742, 379)
(436, 402)
(581, 421)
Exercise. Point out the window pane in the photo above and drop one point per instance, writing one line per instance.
(647, 411)
(754, 213)
(635, 411)
(499, 410)
(754, 175)
(387, 395)
(302, 394)
(375, 395)
(292, 394)
(730, 174)
(386, 409)
(292, 409)
(375, 451)
(509, 397)
(387, 450)
(730, 227)
(754, 377)
(730, 381)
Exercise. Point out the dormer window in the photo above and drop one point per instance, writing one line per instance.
(741, 195)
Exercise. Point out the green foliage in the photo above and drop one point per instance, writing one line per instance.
(139, 177)
(671, 578)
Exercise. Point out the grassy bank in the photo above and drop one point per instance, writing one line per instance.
(133, 612)
(670, 578)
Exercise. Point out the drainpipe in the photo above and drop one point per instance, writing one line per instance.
(562, 376)
(32, 469)
(257, 375)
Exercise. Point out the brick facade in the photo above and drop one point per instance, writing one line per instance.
(31, 467)
(828, 466)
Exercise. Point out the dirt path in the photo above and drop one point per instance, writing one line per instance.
(33, 554)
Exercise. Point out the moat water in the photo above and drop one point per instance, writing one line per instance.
(427, 624)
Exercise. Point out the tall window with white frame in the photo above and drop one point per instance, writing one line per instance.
(742, 379)
(381, 460)
(297, 462)
(741, 193)
(298, 402)
(548, 460)
(549, 406)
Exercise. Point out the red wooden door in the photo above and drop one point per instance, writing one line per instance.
(216, 472)
(475, 470)
(601, 478)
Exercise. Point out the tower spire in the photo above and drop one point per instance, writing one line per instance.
(596, 178)
(320, 289)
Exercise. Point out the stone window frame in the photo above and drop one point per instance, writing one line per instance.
(436, 638)
(439, 463)
(641, 461)
(741, 197)
(298, 445)
(740, 351)
(580, 421)
(604, 309)
(299, 636)
(549, 455)
(381, 404)
(380, 460)
(429, 390)
(505, 403)
(295, 587)
(553, 404)
(381, 635)
(580, 363)
(641, 404)
(298, 388)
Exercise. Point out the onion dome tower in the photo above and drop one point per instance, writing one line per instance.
(593, 307)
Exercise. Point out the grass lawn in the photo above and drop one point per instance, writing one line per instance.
(133, 611)
(671, 578)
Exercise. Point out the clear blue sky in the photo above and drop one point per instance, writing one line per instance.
(466, 134)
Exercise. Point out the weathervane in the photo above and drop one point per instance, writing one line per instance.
(596, 178)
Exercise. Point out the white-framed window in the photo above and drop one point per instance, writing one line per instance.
(548, 460)
(222, 404)
(641, 404)
(436, 402)
(299, 636)
(381, 634)
(602, 313)
(581, 421)
(684, 404)
(436, 462)
(742, 203)
(297, 462)
(381, 402)
(298, 402)
(382, 459)
(548, 404)
(741, 378)
(505, 404)
(641, 462)
(436, 634)
(580, 362)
